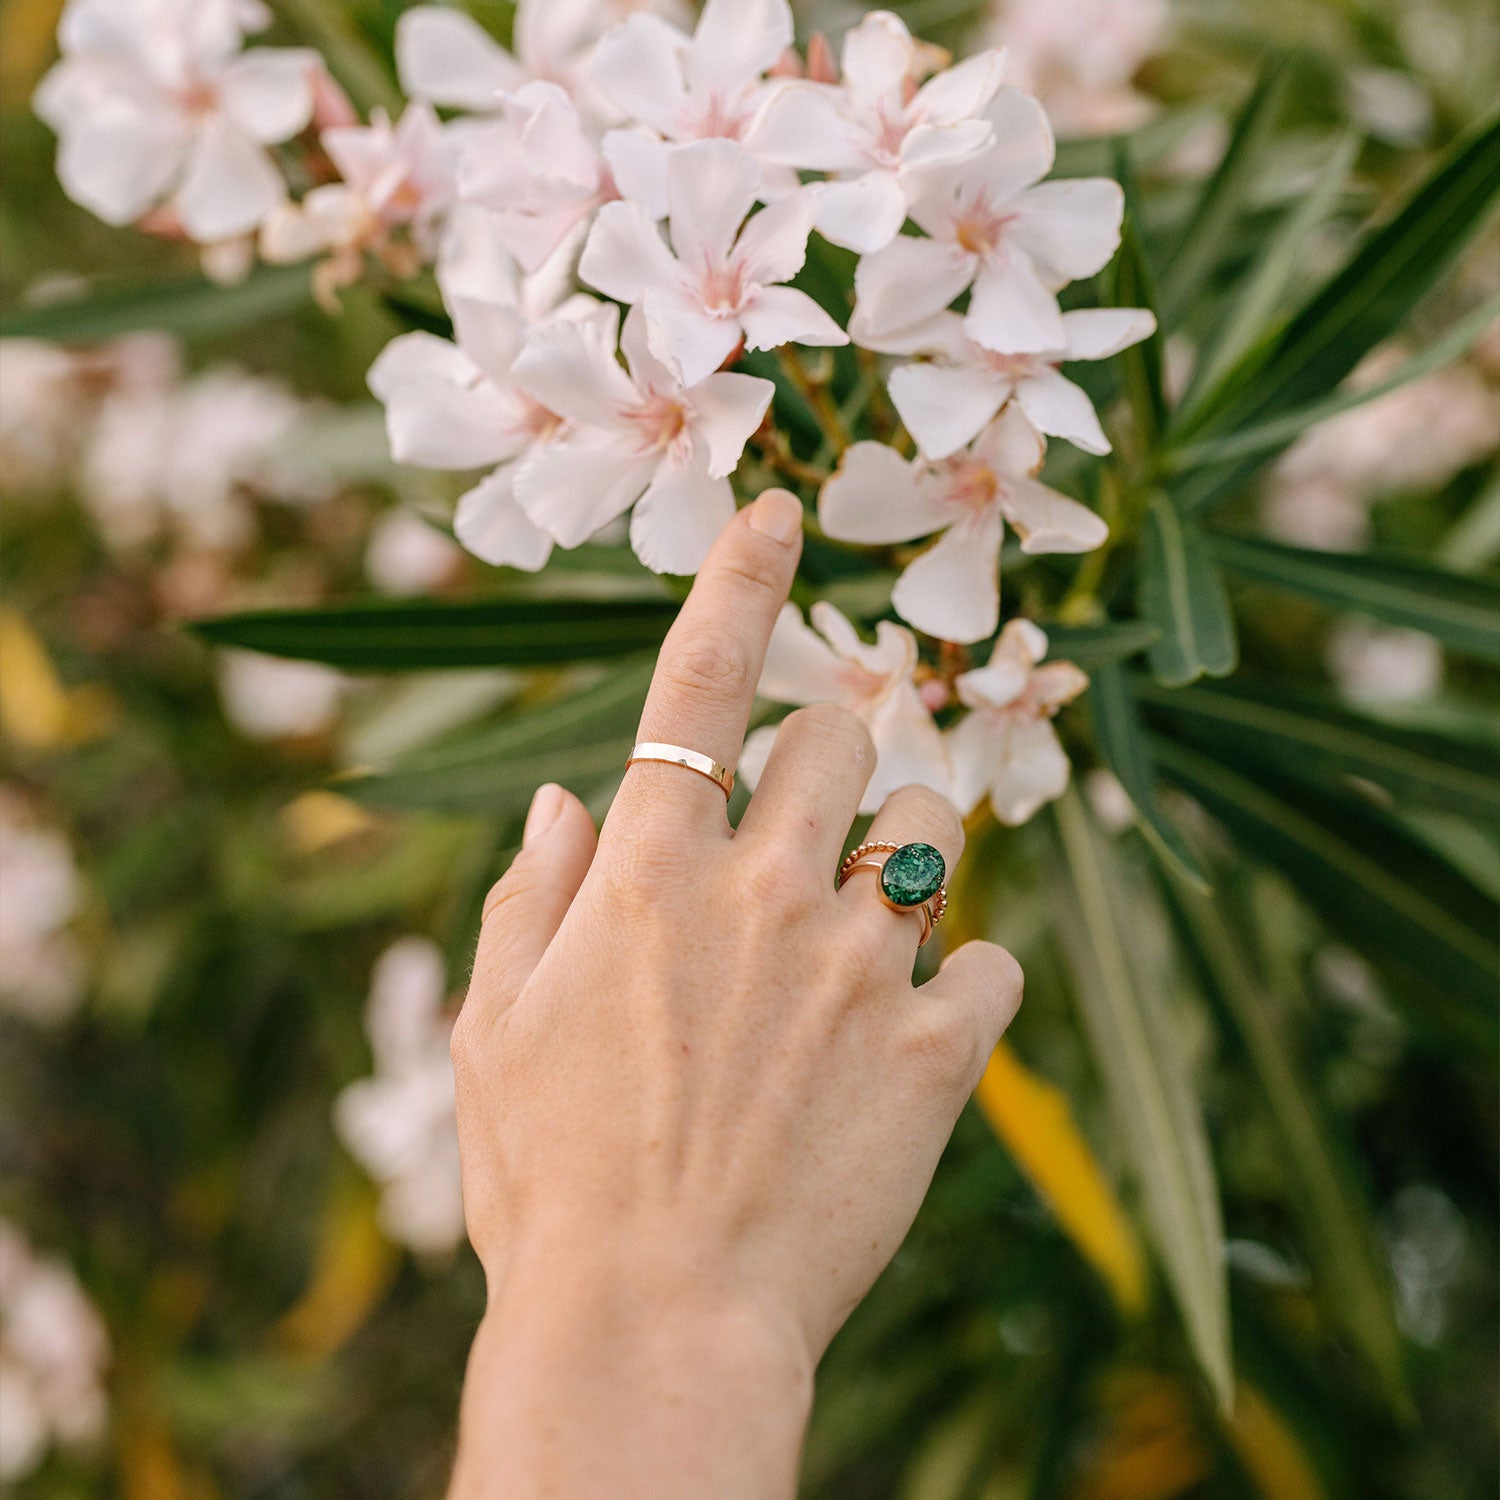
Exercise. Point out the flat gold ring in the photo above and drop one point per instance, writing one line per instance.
(690, 760)
(914, 885)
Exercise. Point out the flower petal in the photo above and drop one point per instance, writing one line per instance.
(754, 754)
(1069, 228)
(119, 159)
(726, 410)
(638, 164)
(864, 214)
(802, 125)
(229, 187)
(573, 488)
(1012, 311)
(909, 281)
(778, 315)
(1098, 332)
(684, 337)
(962, 91)
(1011, 445)
(496, 530)
(569, 366)
(447, 58)
(737, 41)
(876, 498)
(1047, 521)
(491, 334)
(268, 92)
(711, 186)
(1061, 409)
(952, 591)
(638, 67)
(973, 755)
(945, 407)
(681, 515)
(625, 253)
(909, 749)
(878, 56)
(773, 245)
(800, 666)
(928, 147)
(1032, 770)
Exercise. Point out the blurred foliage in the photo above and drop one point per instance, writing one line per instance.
(1270, 1109)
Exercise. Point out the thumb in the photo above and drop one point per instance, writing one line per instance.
(527, 905)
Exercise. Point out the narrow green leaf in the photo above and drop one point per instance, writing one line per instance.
(1090, 646)
(1370, 880)
(1141, 366)
(1127, 751)
(1122, 994)
(1257, 303)
(1222, 202)
(1181, 593)
(579, 740)
(1462, 612)
(1313, 736)
(1277, 433)
(187, 307)
(420, 637)
(1474, 541)
(350, 57)
(1346, 1257)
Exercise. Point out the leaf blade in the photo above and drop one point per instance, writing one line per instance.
(1181, 593)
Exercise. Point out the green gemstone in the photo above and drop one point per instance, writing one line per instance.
(913, 874)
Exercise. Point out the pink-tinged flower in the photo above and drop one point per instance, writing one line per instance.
(154, 101)
(711, 85)
(393, 177)
(400, 1123)
(638, 438)
(995, 227)
(53, 1355)
(1006, 746)
(41, 962)
(878, 132)
(407, 556)
(268, 699)
(536, 168)
(719, 285)
(455, 404)
(948, 402)
(827, 662)
(952, 590)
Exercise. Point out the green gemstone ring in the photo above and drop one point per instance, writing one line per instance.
(909, 878)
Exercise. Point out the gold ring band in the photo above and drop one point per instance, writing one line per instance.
(689, 760)
(875, 856)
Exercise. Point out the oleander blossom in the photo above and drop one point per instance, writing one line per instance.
(54, 1352)
(828, 662)
(719, 286)
(877, 132)
(41, 961)
(400, 1123)
(1005, 748)
(996, 230)
(952, 590)
(155, 102)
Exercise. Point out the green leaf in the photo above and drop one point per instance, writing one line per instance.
(1346, 1256)
(1371, 881)
(419, 637)
(1255, 306)
(1313, 736)
(1181, 593)
(1127, 751)
(1132, 285)
(1462, 612)
(1274, 435)
(1222, 203)
(186, 307)
(1123, 998)
(1090, 646)
(350, 57)
(580, 741)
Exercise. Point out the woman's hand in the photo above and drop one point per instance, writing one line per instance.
(699, 1098)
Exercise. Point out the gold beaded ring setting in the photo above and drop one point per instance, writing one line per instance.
(689, 760)
(909, 877)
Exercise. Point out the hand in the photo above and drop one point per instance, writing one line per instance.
(699, 1099)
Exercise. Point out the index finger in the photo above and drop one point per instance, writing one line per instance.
(704, 685)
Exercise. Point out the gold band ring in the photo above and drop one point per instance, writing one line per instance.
(909, 878)
(690, 760)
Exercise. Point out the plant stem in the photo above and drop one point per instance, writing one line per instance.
(818, 398)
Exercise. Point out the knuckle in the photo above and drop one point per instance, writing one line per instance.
(934, 812)
(836, 728)
(642, 866)
(775, 879)
(752, 570)
(710, 662)
(942, 1049)
(514, 886)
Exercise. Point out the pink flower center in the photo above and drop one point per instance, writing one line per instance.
(973, 486)
(977, 227)
(887, 137)
(660, 422)
(722, 289)
(198, 98)
(720, 118)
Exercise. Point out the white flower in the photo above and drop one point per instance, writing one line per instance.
(1378, 667)
(400, 1123)
(949, 401)
(719, 285)
(38, 414)
(53, 1355)
(266, 698)
(995, 227)
(877, 132)
(1006, 746)
(638, 439)
(392, 176)
(708, 86)
(41, 964)
(536, 168)
(952, 590)
(829, 663)
(154, 100)
(456, 404)
(408, 556)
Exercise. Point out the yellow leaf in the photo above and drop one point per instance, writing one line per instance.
(320, 819)
(1150, 1447)
(1269, 1449)
(37, 711)
(1035, 1123)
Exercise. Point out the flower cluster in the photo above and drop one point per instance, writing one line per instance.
(619, 213)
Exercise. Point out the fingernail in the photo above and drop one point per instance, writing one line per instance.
(778, 515)
(546, 808)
